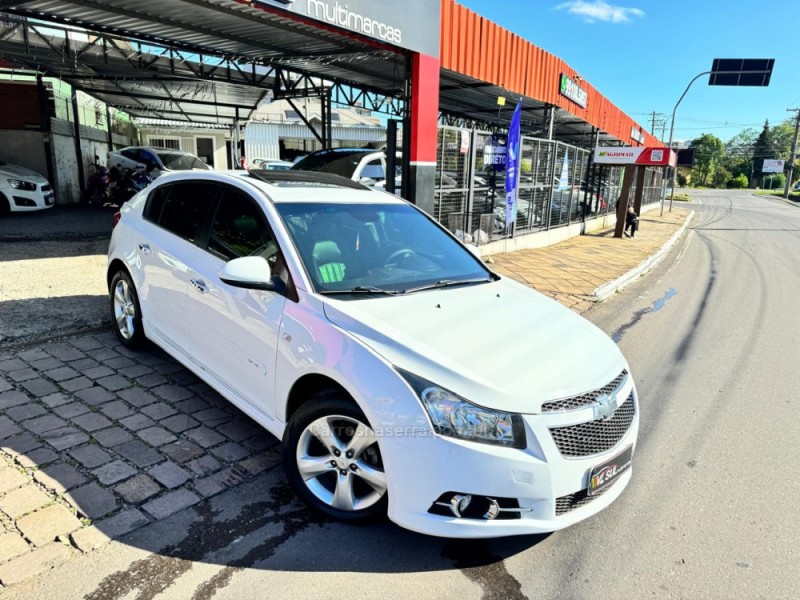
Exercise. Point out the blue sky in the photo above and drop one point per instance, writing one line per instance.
(641, 54)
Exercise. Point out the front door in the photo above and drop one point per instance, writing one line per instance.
(205, 150)
(234, 330)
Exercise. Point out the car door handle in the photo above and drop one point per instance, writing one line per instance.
(145, 248)
(200, 285)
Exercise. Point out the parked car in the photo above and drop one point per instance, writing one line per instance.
(271, 164)
(23, 190)
(328, 312)
(357, 164)
(153, 159)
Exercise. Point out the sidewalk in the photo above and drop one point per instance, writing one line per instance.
(585, 269)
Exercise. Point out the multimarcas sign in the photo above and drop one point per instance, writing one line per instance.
(570, 89)
(623, 155)
(411, 24)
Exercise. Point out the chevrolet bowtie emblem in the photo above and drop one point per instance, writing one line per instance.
(605, 406)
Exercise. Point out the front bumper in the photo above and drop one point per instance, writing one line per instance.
(24, 200)
(550, 488)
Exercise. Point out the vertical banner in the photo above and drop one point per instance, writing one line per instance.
(512, 166)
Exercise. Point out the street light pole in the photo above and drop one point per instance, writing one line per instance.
(669, 146)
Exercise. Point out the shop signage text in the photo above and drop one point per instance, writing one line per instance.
(637, 135)
(614, 155)
(411, 24)
(570, 89)
(772, 166)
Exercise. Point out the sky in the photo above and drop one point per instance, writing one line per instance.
(641, 54)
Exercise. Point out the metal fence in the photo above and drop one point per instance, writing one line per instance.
(554, 186)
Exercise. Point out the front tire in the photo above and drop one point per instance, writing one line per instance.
(332, 459)
(126, 313)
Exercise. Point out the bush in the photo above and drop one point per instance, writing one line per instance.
(774, 182)
(682, 180)
(739, 182)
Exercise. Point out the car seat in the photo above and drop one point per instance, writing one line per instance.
(328, 262)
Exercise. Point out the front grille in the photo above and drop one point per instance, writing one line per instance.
(564, 504)
(595, 436)
(584, 399)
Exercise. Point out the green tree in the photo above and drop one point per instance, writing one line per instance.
(721, 176)
(761, 149)
(709, 150)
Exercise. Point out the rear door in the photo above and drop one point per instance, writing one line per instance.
(174, 217)
(235, 331)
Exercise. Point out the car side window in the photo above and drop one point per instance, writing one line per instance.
(155, 203)
(131, 154)
(186, 207)
(373, 169)
(240, 229)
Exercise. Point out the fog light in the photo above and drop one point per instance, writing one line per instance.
(23, 201)
(459, 503)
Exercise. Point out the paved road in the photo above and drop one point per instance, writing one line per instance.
(711, 335)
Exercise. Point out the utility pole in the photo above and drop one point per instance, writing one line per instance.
(788, 185)
(653, 124)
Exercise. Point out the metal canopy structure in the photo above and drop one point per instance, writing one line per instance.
(203, 61)
(464, 101)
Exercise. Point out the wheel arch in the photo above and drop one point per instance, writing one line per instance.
(306, 387)
(113, 267)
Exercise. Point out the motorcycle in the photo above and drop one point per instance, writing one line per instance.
(97, 193)
(126, 183)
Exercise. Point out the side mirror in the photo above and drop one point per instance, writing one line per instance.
(367, 181)
(248, 272)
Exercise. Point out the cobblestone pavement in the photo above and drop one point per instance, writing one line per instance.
(97, 441)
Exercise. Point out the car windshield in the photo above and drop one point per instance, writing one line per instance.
(180, 161)
(338, 163)
(377, 248)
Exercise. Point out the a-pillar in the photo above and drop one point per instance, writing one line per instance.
(424, 131)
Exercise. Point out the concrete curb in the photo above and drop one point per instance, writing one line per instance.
(612, 287)
(788, 201)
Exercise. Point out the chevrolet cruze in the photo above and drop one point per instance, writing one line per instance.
(403, 376)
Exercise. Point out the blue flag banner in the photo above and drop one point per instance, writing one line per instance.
(512, 166)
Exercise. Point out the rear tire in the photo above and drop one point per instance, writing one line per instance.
(126, 314)
(332, 459)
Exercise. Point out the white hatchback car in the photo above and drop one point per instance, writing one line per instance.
(400, 372)
(23, 190)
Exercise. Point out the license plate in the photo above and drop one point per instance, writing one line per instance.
(602, 476)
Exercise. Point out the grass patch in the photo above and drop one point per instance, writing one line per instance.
(682, 197)
(778, 194)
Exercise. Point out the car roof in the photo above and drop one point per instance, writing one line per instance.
(294, 186)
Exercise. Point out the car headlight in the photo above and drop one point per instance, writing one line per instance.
(18, 184)
(457, 417)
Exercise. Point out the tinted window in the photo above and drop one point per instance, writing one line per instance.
(338, 163)
(186, 207)
(131, 154)
(239, 229)
(155, 203)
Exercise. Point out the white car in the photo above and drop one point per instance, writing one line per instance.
(23, 190)
(153, 159)
(402, 375)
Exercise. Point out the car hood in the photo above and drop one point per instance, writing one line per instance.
(22, 173)
(500, 345)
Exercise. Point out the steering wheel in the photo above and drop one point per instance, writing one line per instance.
(399, 256)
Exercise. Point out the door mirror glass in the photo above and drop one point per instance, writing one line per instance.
(249, 272)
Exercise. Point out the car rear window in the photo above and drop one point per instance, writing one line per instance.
(180, 161)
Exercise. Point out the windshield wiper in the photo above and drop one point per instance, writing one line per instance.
(446, 283)
(361, 289)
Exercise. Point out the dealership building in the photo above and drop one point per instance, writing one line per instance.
(433, 72)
